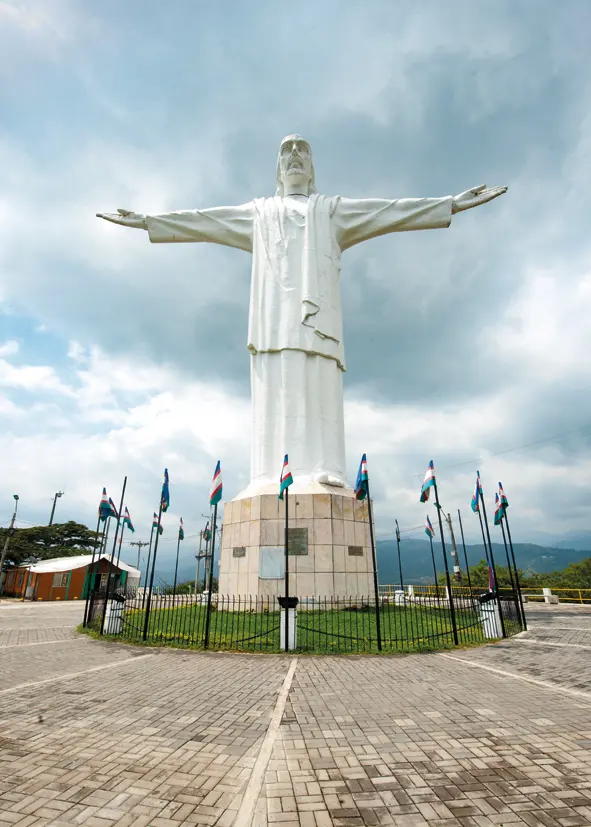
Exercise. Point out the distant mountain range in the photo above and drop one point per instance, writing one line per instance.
(417, 565)
(416, 560)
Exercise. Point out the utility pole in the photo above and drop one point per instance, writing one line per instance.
(57, 494)
(7, 542)
(454, 551)
(198, 557)
(139, 545)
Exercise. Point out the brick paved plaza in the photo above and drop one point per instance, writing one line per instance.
(102, 734)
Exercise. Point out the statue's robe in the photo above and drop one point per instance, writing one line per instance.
(295, 330)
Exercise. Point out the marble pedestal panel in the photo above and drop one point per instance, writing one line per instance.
(332, 528)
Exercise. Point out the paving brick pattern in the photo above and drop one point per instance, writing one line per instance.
(172, 738)
(423, 740)
(28, 664)
(26, 623)
(165, 740)
(26, 637)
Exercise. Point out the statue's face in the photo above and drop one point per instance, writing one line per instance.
(295, 162)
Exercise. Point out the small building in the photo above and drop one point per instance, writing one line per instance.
(68, 578)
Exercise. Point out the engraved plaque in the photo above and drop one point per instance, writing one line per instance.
(239, 551)
(355, 551)
(298, 541)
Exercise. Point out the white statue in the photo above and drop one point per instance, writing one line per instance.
(295, 330)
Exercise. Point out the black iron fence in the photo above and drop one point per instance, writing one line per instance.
(416, 619)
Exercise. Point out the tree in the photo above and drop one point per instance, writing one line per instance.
(46, 542)
(575, 576)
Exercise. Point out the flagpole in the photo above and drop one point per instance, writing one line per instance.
(492, 559)
(206, 557)
(452, 608)
(105, 535)
(516, 599)
(376, 590)
(434, 566)
(465, 552)
(149, 601)
(120, 540)
(148, 565)
(208, 615)
(176, 568)
(486, 555)
(112, 560)
(399, 557)
(286, 544)
(198, 555)
(517, 583)
(89, 573)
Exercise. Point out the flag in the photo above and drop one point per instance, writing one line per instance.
(397, 531)
(104, 509)
(216, 486)
(361, 482)
(504, 500)
(127, 521)
(475, 504)
(207, 533)
(113, 510)
(498, 510)
(286, 479)
(428, 482)
(181, 530)
(429, 530)
(491, 579)
(165, 498)
(155, 524)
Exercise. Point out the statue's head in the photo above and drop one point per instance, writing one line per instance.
(295, 166)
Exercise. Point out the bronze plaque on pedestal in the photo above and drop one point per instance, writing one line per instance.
(298, 541)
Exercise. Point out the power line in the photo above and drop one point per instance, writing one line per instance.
(520, 447)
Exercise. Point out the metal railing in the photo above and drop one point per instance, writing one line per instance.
(539, 593)
(421, 619)
(544, 594)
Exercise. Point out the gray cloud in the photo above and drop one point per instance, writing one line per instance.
(165, 113)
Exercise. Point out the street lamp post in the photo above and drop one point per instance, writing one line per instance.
(57, 494)
(5, 549)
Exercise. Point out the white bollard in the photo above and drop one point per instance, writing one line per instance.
(491, 620)
(399, 597)
(291, 629)
(114, 617)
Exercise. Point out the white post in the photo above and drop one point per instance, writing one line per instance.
(491, 620)
(291, 628)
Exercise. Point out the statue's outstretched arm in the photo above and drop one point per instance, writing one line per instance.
(229, 226)
(359, 219)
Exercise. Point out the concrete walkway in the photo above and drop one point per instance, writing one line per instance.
(100, 734)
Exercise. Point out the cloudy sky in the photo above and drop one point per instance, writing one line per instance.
(118, 357)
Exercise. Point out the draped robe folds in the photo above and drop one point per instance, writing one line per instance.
(295, 330)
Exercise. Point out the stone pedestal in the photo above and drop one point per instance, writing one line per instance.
(330, 551)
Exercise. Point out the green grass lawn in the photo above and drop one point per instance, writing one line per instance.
(409, 628)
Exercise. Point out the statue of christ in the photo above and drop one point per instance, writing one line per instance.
(295, 329)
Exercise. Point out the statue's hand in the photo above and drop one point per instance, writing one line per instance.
(126, 218)
(475, 197)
